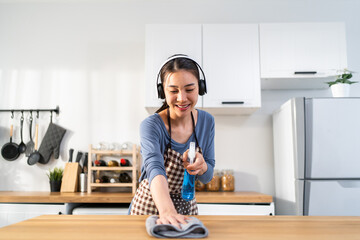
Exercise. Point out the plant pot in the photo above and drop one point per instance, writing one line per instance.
(340, 90)
(55, 186)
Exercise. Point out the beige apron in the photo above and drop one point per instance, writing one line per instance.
(143, 203)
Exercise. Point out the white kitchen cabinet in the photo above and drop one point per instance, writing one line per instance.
(13, 213)
(228, 53)
(163, 41)
(236, 209)
(231, 65)
(289, 52)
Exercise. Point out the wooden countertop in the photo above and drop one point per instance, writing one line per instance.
(97, 227)
(99, 197)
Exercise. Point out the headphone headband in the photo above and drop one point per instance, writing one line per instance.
(202, 83)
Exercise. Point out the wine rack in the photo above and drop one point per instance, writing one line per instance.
(134, 153)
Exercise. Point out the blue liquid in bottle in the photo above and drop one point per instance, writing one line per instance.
(188, 186)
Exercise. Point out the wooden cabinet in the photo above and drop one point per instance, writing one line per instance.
(301, 55)
(228, 53)
(231, 65)
(96, 170)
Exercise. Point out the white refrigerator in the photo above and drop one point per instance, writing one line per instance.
(317, 157)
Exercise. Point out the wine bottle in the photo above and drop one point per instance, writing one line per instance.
(113, 163)
(124, 162)
(125, 178)
(100, 163)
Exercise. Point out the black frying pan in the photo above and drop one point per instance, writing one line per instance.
(34, 156)
(10, 151)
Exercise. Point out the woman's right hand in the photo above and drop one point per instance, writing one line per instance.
(172, 217)
(167, 213)
(199, 167)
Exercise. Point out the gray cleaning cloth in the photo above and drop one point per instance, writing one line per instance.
(194, 228)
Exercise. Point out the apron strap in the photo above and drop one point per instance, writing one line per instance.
(193, 122)
(168, 118)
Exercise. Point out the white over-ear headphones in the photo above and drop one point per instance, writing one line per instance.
(160, 88)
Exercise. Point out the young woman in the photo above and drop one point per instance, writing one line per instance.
(165, 138)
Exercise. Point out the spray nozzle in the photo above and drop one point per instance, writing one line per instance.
(191, 153)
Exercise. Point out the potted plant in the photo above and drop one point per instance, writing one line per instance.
(55, 177)
(341, 86)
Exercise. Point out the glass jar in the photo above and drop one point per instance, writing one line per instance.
(199, 186)
(214, 184)
(228, 181)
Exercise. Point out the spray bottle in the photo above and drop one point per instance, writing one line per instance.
(188, 187)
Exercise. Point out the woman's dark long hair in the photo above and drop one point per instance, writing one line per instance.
(175, 65)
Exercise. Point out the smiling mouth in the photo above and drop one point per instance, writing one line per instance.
(183, 107)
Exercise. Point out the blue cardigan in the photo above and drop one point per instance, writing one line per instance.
(154, 138)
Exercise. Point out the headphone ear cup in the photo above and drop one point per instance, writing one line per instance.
(202, 87)
(160, 90)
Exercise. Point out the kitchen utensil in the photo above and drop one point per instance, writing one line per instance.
(30, 144)
(78, 156)
(22, 146)
(83, 182)
(35, 156)
(71, 151)
(85, 164)
(10, 151)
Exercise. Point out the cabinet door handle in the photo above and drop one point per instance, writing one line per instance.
(306, 72)
(233, 102)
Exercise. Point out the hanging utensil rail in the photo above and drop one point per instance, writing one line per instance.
(56, 110)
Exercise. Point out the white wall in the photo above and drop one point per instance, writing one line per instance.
(88, 58)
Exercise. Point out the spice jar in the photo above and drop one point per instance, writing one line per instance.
(214, 184)
(227, 181)
(199, 186)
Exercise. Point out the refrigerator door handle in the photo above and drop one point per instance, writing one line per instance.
(349, 184)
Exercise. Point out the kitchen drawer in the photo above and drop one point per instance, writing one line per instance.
(102, 209)
(236, 209)
(13, 213)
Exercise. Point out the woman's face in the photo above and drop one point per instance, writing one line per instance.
(181, 92)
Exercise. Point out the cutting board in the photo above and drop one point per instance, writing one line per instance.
(70, 177)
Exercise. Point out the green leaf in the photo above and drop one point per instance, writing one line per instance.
(346, 76)
(343, 78)
(331, 83)
(56, 174)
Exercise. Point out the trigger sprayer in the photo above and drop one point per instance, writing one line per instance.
(188, 186)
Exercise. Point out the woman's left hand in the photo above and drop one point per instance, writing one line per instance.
(199, 167)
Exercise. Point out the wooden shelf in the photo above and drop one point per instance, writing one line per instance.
(111, 152)
(112, 168)
(111, 184)
(134, 154)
